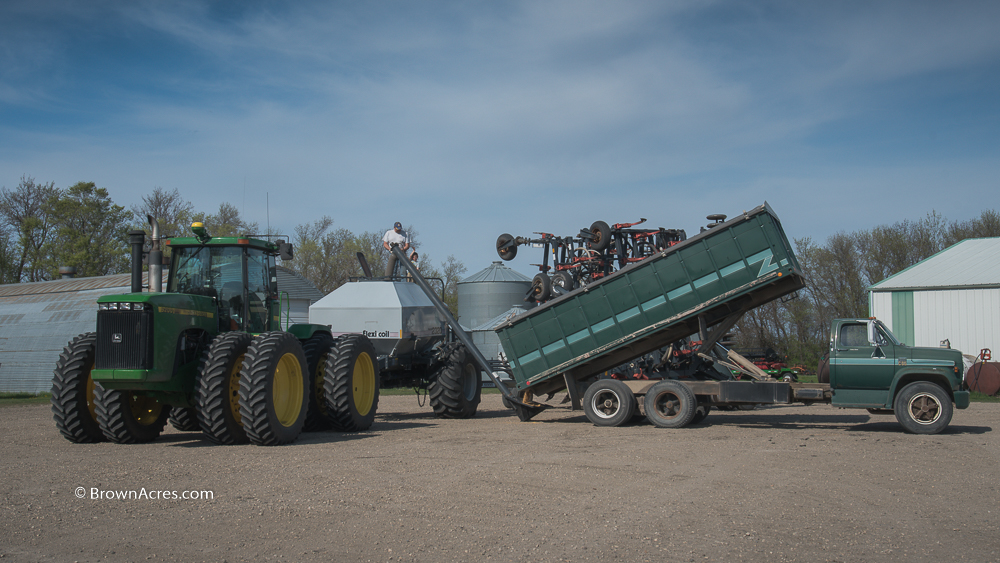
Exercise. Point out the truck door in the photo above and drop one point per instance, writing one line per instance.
(864, 359)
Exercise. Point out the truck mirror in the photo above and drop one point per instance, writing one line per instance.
(285, 250)
(872, 334)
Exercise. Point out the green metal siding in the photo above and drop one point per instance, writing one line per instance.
(902, 316)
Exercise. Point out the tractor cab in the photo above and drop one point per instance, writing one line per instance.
(239, 274)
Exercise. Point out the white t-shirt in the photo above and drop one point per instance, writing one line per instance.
(400, 238)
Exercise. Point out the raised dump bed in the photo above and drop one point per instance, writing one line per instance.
(701, 285)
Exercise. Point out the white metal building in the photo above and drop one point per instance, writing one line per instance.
(953, 295)
(37, 319)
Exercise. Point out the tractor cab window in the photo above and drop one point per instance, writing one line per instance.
(205, 270)
(259, 288)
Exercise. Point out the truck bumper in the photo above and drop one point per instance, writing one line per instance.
(961, 399)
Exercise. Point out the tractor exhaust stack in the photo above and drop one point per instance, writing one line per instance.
(136, 239)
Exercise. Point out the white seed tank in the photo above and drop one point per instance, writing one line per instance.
(396, 316)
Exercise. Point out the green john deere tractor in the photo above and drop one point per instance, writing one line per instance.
(209, 354)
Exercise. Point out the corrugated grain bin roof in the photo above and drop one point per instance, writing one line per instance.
(496, 272)
(972, 263)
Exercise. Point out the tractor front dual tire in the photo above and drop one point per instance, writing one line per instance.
(184, 419)
(456, 388)
(318, 350)
(274, 389)
(130, 417)
(73, 392)
(351, 384)
(217, 389)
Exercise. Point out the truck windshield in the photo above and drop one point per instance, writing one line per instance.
(204, 270)
(886, 333)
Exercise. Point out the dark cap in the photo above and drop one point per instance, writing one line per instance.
(398, 225)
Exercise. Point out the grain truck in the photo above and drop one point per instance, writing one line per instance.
(702, 286)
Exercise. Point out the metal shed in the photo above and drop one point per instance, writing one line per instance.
(953, 295)
(37, 320)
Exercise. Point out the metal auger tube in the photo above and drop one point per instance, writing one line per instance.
(524, 411)
(443, 309)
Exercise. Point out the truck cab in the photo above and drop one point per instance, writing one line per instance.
(870, 368)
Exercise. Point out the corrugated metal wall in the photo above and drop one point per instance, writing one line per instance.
(969, 318)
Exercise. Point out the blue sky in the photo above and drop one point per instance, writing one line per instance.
(469, 119)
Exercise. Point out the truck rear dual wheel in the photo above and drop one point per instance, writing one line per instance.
(609, 402)
(73, 392)
(670, 404)
(274, 389)
(456, 388)
(217, 389)
(923, 408)
(351, 384)
(318, 350)
(129, 417)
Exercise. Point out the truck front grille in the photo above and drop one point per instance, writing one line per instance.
(124, 340)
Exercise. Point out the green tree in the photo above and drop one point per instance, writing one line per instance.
(90, 232)
(226, 222)
(27, 227)
(170, 209)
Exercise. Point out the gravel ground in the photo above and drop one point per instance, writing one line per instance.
(786, 483)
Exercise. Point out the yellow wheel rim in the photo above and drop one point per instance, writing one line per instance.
(234, 390)
(363, 383)
(287, 390)
(146, 410)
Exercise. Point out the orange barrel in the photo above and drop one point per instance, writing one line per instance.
(984, 377)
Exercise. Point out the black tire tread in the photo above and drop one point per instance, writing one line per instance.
(317, 349)
(446, 388)
(69, 390)
(212, 387)
(256, 407)
(184, 419)
(114, 414)
(337, 384)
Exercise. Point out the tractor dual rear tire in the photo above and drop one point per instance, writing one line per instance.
(456, 388)
(73, 391)
(274, 389)
(129, 417)
(318, 350)
(217, 389)
(184, 419)
(351, 384)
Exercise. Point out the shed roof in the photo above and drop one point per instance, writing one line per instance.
(969, 264)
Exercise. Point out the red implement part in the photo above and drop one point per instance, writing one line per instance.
(984, 377)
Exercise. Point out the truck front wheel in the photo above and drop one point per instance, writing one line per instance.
(923, 408)
(609, 402)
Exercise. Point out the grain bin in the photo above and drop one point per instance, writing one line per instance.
(490, 292)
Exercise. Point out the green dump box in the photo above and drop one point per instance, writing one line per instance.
(707, 280)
